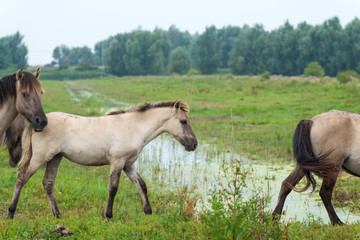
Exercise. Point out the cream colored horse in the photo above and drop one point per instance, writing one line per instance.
(21, 93)
(115, 139)
(322, 145)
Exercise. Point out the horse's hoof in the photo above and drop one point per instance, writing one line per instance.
(10, 215)
(338, 223)
(148, 211)
(108, 217)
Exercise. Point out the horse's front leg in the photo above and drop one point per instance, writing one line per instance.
(23, 177)
(2, 139)
(115, 172)
(133, 174)
(49, 181)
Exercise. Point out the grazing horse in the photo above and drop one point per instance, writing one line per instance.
(115, 139)
(323, 145)
(21, 93)
(13, 140)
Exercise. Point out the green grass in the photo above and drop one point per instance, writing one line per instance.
(239, 114)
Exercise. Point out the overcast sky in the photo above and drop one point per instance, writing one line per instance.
(46, 24)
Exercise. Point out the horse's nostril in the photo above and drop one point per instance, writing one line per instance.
(195, 145)
(37, 120)
(44, 122)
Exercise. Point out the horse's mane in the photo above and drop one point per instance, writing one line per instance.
(146, 106)
(7, 88)
(29, 84)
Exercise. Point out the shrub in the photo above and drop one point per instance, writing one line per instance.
(314, 69)
(193, 72)
(265, 76)
(232, 216)
(347, 76)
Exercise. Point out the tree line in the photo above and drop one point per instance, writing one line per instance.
(286, 50)
(13, 52)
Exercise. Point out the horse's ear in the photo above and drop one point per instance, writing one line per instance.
(37, 73)
(177, 104)
(19, 75)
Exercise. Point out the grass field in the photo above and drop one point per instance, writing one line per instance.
(240, 115)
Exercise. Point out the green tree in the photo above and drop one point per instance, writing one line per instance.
(114, 55)
(208, 51)
(227, 36)
(61, 55)
(180, 61)
(13, 52)
(158, 53)
(99, 49)
(178, 38)
(246, 57)
(80, 55)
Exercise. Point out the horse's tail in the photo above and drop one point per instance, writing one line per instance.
(305, 158)
(27, 148)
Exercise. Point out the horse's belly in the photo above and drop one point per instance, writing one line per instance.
(352, 163)
(87, 160)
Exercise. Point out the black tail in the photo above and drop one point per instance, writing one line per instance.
(305, 158)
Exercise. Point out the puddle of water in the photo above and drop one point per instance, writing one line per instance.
(85, 93)
(169, 166)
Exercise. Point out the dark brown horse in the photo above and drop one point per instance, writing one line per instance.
(21, 93)
(323, 145)
(13, 140)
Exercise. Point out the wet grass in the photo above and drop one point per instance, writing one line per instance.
(237, 114)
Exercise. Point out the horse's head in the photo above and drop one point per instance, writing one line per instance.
(179, 126)
(28, 99)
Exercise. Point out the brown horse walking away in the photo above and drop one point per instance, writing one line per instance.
(115, 139)
(322, 145)
(21, 93)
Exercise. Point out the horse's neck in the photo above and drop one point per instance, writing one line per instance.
(150, 124)
(8, 113)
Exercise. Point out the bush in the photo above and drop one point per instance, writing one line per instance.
(193, 72)
(314, 69)
(265, 76)
(231, 215)
(347, 76)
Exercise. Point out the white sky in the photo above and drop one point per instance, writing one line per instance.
(46, 24)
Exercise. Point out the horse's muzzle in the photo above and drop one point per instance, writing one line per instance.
(191, 147)
(39, 124)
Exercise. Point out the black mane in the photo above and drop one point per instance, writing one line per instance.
(7, 88)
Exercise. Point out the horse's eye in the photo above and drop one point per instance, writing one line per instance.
(25, 95)
(183, 122)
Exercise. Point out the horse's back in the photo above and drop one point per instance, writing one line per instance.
(337, 131)
(84, 140)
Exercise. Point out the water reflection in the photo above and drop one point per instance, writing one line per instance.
(167, 165)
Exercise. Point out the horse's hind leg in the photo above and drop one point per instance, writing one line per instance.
(22, 179)
(132, 173)
(49, 181)
(295, 176)
(326, 193)
(115, 172)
